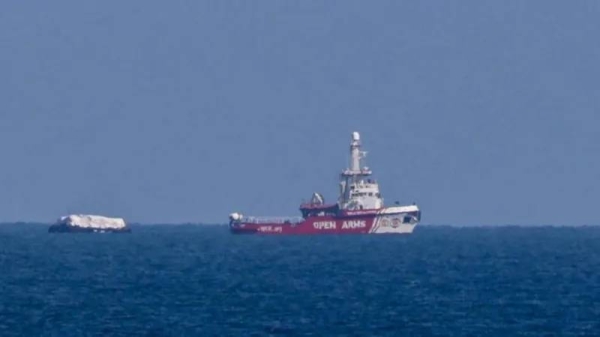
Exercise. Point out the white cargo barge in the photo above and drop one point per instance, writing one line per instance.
(85, 223)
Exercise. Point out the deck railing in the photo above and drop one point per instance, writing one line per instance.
(273, 220)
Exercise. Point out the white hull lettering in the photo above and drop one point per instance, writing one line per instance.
(269, 229)
(324, 225)
(354, 224)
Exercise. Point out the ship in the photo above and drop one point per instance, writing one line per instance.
(88, 223)
(359, 208)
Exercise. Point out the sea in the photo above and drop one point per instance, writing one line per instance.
(200, 280)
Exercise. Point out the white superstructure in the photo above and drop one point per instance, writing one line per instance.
(356, 190)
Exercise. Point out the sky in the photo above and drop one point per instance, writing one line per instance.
(481, 112)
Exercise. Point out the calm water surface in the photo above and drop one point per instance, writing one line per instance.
(201, 281)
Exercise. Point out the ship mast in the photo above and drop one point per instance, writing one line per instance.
(351, 175)
(356, 155)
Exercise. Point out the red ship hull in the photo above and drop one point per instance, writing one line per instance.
(359, 209)
(388, 220)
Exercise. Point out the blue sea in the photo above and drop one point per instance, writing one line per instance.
(194, 280)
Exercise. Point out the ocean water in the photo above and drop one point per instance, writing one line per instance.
(202, 281)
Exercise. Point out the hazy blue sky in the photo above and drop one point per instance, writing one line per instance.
(482, 112)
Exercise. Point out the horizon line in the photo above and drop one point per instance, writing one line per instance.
(187, 223)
